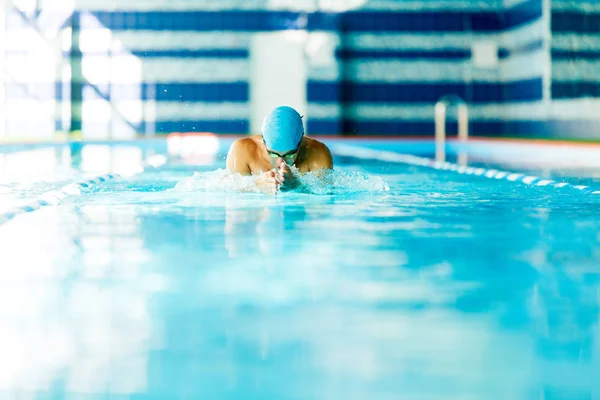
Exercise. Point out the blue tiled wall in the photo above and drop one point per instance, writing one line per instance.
(432, 55)
(394, 60)
(575, 49)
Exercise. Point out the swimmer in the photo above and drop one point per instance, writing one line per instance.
(282, 144)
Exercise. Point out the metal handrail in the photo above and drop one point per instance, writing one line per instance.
(441, 108)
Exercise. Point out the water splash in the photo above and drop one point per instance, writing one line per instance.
(220, 180)
(341, 182)
(321, 183)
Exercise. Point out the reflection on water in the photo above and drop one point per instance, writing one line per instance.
(74, 312)
(440, 288)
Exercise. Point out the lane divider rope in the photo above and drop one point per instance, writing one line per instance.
(55, 197)
(365, 153)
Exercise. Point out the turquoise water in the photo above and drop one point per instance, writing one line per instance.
(443, 286)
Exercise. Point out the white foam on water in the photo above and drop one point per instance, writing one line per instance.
(322, 183)
(342, 182)
(220, 180)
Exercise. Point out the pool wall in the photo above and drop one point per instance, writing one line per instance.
(527, 68)
(372, 67)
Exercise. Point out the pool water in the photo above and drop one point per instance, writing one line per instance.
(445, 286)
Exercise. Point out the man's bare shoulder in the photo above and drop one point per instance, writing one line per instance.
(316, 147)
(319, 154)
(314, 144)
(245, 144)
(241, 153)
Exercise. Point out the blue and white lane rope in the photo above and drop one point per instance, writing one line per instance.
(360, 152)
(55, 197)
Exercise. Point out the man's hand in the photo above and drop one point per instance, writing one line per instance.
(267, 183)
(285, 176)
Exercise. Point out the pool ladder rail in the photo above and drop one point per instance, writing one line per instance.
(441, 109)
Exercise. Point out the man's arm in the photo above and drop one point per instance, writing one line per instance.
(237, 161)
(237, 158)
(285, 177)
(322, 159)
(320, 163)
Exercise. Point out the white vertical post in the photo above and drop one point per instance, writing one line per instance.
(440, 112)
(547, 43)
(278, 74)
(440, 131)
(463, 133)
(149, 109)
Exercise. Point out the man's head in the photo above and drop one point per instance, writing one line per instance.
(282, 132)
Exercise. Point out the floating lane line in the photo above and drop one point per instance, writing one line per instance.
(55, 197)
(384, 155)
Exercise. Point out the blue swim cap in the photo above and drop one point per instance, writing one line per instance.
(282, 129)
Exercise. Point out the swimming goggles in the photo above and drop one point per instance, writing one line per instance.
(286, 156)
